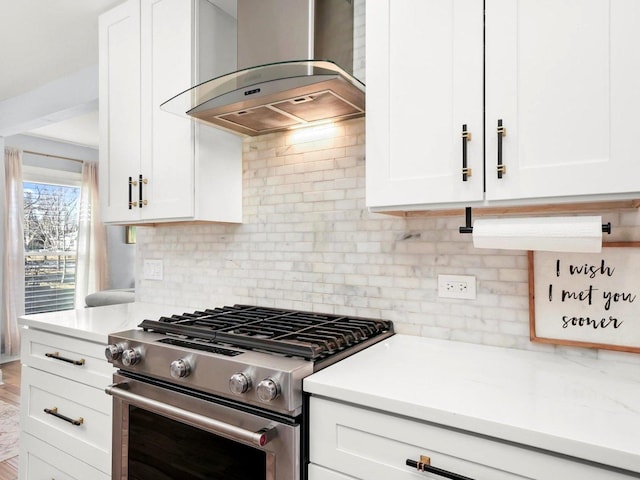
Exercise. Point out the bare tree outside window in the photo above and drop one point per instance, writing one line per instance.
(50, 238)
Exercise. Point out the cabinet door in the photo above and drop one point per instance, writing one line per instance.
(563, 77)
(40, 460)
(168, 145)
(424, 82)
(119, 67)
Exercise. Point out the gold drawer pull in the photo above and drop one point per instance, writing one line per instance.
(56, 356)
(54, 411)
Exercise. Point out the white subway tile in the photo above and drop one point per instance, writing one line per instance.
(308, 242)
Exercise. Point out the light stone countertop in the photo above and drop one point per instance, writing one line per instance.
(581, 407)
(96, 323)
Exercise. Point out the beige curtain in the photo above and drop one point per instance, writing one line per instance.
(91, 270)
(13, 260)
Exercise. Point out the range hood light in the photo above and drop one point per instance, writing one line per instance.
(314, 132)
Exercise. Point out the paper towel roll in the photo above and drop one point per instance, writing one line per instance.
(553, 234)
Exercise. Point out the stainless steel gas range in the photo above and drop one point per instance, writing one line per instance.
(217, 394)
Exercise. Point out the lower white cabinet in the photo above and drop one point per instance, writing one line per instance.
(65, 416)
(39, 460)
(320, 473)
(350, 442)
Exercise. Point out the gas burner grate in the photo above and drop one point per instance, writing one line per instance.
(309, 335)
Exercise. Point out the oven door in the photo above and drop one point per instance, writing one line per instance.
(161, 431)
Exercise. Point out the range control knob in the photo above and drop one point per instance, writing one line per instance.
(180, 368)
(268, 390)
(130, 357)
(113, 352)
(239, 383)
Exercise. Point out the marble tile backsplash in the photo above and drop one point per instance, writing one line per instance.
(308, 242)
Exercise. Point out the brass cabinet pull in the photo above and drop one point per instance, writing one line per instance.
(54, 411)
(56, 356)
(502, 132)
(424, 465)
(466, 137)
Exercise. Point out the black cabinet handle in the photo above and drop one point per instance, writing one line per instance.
(132, 183)
(424, 465)
(56, 356)
(466, 137)
(141, 202)
(502, 132)
(54, 411)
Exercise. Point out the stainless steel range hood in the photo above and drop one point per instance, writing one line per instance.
(274, 90)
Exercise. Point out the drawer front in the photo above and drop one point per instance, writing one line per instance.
(50, 352)
(372, 445)
(320, 473)
(41, 461)
(91, 407)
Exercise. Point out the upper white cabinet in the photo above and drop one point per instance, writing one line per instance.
(424, 82)
(156, 166)
(561, 77)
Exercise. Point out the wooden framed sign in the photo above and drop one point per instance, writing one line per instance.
(586, 299)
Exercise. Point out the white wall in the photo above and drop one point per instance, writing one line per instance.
(308, 242)
(122, 258)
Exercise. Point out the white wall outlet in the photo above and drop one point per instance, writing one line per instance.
(152, 269)
(457, 286)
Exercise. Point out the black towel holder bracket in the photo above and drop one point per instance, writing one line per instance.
(468, 227)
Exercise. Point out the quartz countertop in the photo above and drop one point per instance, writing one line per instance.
(96, 323)
(582, 407)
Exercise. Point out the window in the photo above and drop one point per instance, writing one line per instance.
(51, 204)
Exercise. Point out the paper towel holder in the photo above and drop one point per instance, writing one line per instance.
(468, 227)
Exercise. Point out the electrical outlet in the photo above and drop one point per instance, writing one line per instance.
(152, 269)
(457, 286)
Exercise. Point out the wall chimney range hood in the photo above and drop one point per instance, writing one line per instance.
(273, 90)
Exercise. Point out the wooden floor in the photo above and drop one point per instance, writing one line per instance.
(10, 393)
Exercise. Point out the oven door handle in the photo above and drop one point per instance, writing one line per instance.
(259, 438)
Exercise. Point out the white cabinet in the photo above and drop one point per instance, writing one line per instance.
(560, 76)
(65, 416)
(424, 82)
(156, 166)
(39, 460)
(350, 442)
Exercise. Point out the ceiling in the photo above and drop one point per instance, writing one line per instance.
(44, 40)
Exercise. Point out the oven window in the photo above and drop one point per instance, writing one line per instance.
(164, 449)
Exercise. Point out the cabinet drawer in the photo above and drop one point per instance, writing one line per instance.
(320, 473)
(41, 461)
(94, 369)
(91, 440)
(375, 446)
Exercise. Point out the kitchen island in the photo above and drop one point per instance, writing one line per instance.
(526, 413)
